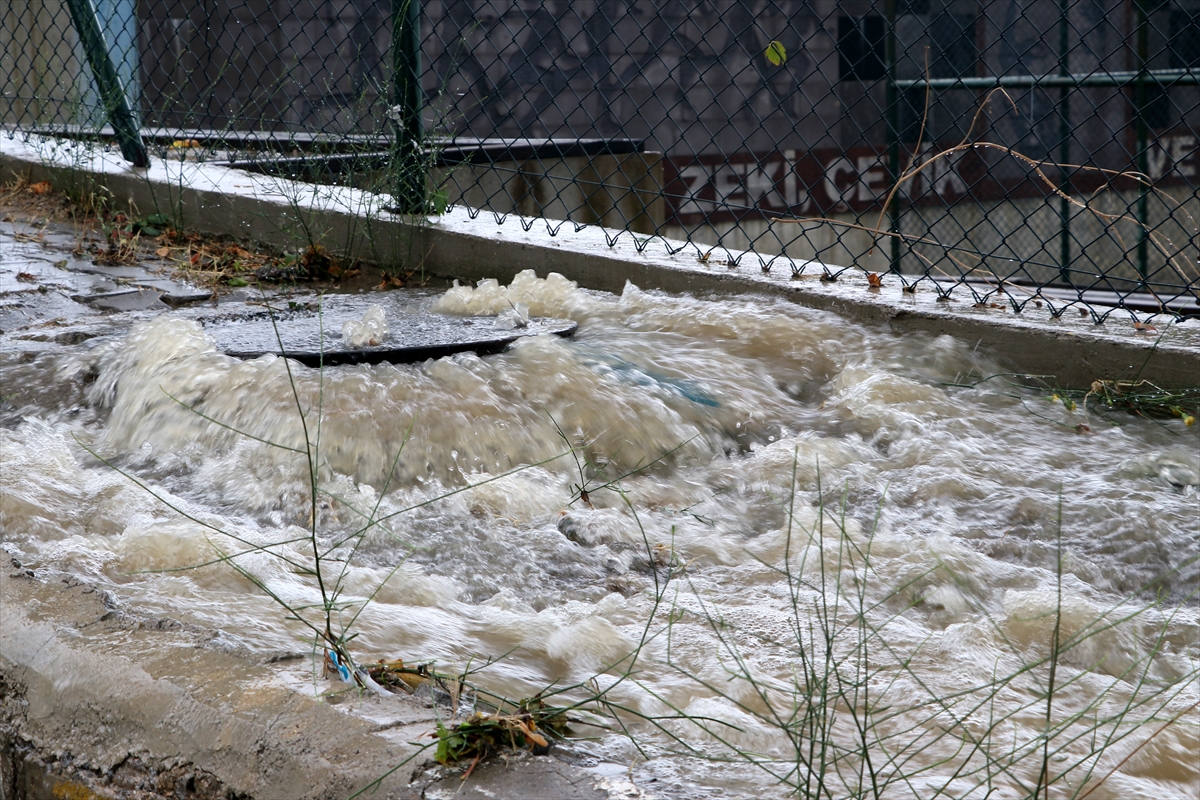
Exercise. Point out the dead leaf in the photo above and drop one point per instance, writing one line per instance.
(874, 281)
(26, 277)
(40, 188)
(531, 735)
(1143, 326)
(162, 252)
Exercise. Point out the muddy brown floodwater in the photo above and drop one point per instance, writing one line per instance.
(731, 422)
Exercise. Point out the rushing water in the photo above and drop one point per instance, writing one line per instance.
(730, 424)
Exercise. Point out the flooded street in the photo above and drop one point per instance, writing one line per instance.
(761, 499)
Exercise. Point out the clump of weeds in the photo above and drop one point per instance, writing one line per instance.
(127, 238)
(530, 725)
(1144, 399)
(1108, 400)
(314, 263)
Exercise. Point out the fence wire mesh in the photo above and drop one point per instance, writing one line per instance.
(1004, 151)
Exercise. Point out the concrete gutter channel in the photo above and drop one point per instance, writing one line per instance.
(97, 703)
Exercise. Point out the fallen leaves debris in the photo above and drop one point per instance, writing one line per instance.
(410, 677)
(1145, 399)
(532, 725)
(128, 239)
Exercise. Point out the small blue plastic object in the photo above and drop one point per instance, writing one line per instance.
(343, 671)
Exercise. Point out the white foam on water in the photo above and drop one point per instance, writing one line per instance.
(776, 469)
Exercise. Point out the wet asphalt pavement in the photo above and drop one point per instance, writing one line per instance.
(51, 290)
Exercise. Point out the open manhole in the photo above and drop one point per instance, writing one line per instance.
(413, 334)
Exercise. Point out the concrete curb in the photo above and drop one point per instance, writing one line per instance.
(87, 693)
(1070, 350)
(97, 704)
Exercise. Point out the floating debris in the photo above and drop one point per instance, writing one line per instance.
(533, 725)
(1144, 399)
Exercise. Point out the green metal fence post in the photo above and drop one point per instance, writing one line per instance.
(1064, 146)
(119, 24)
(407, 156)
(112, 92)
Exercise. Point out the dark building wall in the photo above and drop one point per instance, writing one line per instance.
(311, 65)
(688, 76)
(692, 79)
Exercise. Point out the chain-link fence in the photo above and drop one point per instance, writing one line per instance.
(995, 149)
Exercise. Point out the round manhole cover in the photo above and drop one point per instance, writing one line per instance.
(413, 334)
